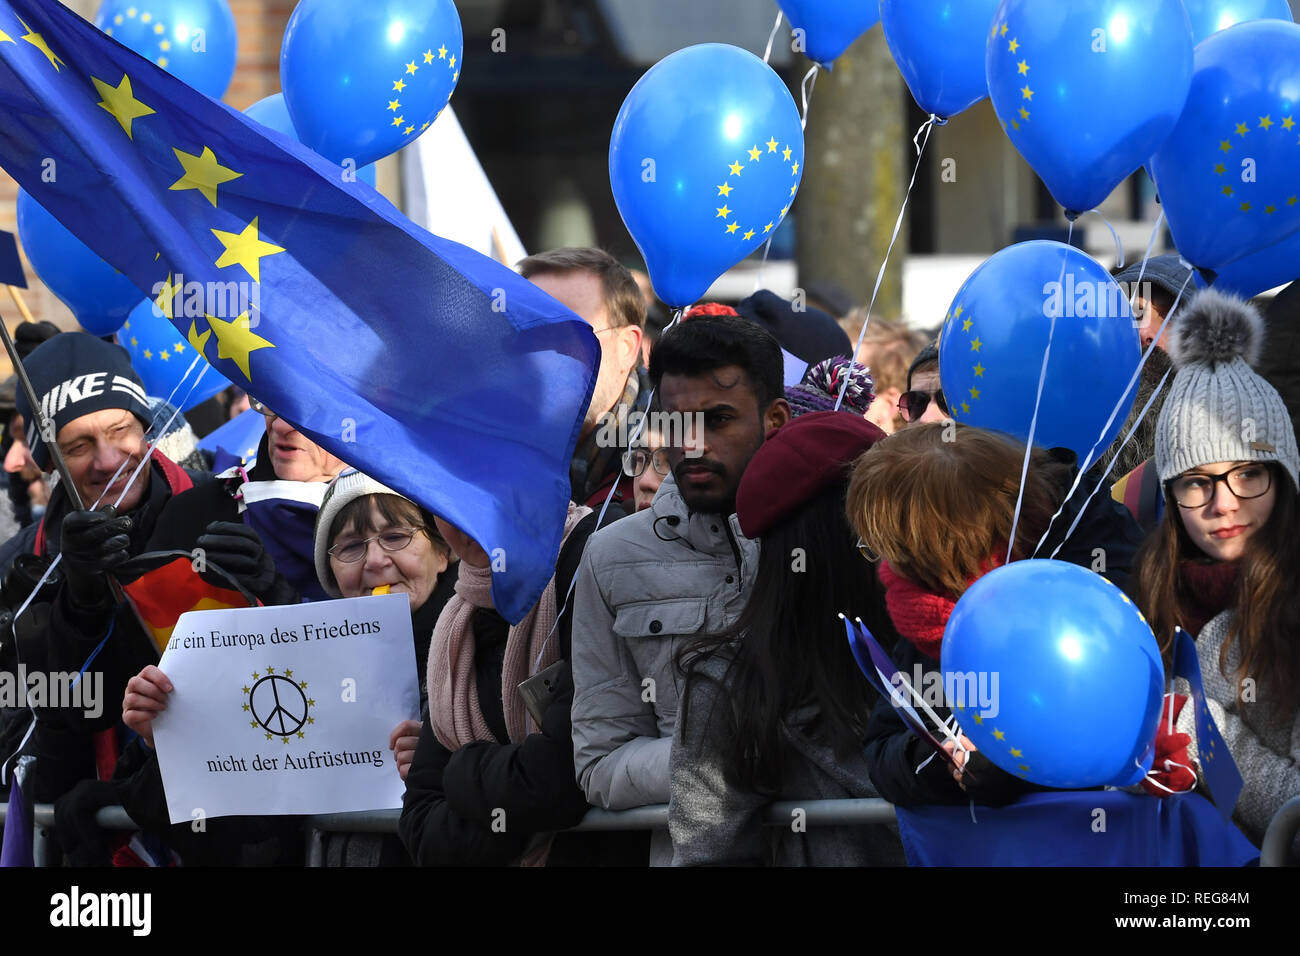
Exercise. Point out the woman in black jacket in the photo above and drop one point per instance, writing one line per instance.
(489, 785)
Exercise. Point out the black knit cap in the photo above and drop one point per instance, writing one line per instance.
(74, 374)
(928, 354)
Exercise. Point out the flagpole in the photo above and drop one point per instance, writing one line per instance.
(44, 426)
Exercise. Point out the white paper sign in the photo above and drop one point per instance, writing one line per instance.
(285, 710)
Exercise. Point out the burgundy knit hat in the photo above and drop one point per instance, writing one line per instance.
(798, 461)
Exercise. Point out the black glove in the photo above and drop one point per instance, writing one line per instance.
(83, 842)
(93, 543)
(236, 549)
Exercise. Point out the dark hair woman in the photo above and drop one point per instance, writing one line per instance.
(1223, 563)
(774, 706)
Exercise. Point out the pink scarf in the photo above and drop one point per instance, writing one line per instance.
(453, 694)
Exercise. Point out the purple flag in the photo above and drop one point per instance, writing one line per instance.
(17, 849)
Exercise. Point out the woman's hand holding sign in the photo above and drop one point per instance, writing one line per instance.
(146, 697)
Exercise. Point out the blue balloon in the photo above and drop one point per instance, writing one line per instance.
(193, 40)
(1088, 90)
(1210, 16)
(992, 342)
(363, 79)
(939, 48)
(1226, 175)
(704, 161)
(272, 112)
(1076, 677)
(161, 356)
(830, 26)
(98, 295)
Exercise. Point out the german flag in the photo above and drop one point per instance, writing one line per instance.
(166, 586)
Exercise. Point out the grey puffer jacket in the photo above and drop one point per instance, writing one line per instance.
(712, 823)
(1264, 743)
(645, 585)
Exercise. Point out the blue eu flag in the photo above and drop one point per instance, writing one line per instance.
(436, 370)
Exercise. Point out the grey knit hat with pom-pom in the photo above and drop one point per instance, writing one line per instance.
(1219, 409)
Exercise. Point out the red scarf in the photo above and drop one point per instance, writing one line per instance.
(1210, 589)
(920, 615)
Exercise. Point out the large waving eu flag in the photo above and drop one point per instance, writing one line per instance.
(438, 371)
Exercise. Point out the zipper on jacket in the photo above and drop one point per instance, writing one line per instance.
(735, 551)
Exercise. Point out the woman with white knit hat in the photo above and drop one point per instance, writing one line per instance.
(1224, 563)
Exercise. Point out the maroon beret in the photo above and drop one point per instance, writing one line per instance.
(796, 463)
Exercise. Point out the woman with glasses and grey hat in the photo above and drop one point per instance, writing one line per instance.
(1223, 563)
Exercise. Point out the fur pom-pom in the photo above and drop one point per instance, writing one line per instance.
(1216, 328)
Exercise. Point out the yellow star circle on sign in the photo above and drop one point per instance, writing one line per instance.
(121, 102)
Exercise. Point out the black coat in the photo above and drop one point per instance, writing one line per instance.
(483, 804)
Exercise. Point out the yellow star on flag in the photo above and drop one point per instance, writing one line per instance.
(965, 408)
(732, 227)
(245, 249)
(1227, 190)
(428, 56)
(203, 173)
(786, 153)
(198, 341)
(1014, 45)
(1245, 207)
(1287, 122)
(6, 38)
(975, 394)
(979, 371)
(724, 212)
(394, 104)
(1023, 67)
(771, 145)
(794, 170)
(166, 298)
(121, 102)
(164, 355)
(768, 227)
(451, 63)
(399, 120)
(1024, 113)
(408, 131)
(965, 326)
(1291, 201)
(1224, 145)
(724, 189)
(998, 734)
(1004, 30)
(754, 153)
(1026, 92)
(1016, 753)
(1242, 129)
(748, 235)
(399, 85)
(1266, 122)
(38, 41)
(411, 67)
(735, 169)
(442, 53)
(976, 344)
(236, 340)
(1219, 168)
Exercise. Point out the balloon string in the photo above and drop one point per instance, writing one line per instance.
(1119, 246)
(1038, 400)
(767, 54)
(919, 142)
(1087, 463)
(805, 91)
(1087, 501)
(1133, 295)
(1078, 478)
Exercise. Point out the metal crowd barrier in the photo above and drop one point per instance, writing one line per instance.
(1282, 829)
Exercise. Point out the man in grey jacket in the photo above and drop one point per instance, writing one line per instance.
(680, 567)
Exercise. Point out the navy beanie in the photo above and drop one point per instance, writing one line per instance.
(74, 374)
(809, 334)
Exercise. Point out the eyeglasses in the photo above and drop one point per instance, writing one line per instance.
(261, 409)
(394, 539)
(866, 552)
(634, 461)
(912, 405)
(1244, 481)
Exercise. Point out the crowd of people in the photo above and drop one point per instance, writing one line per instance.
(691, 631)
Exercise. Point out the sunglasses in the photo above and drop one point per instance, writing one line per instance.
(912, 405)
